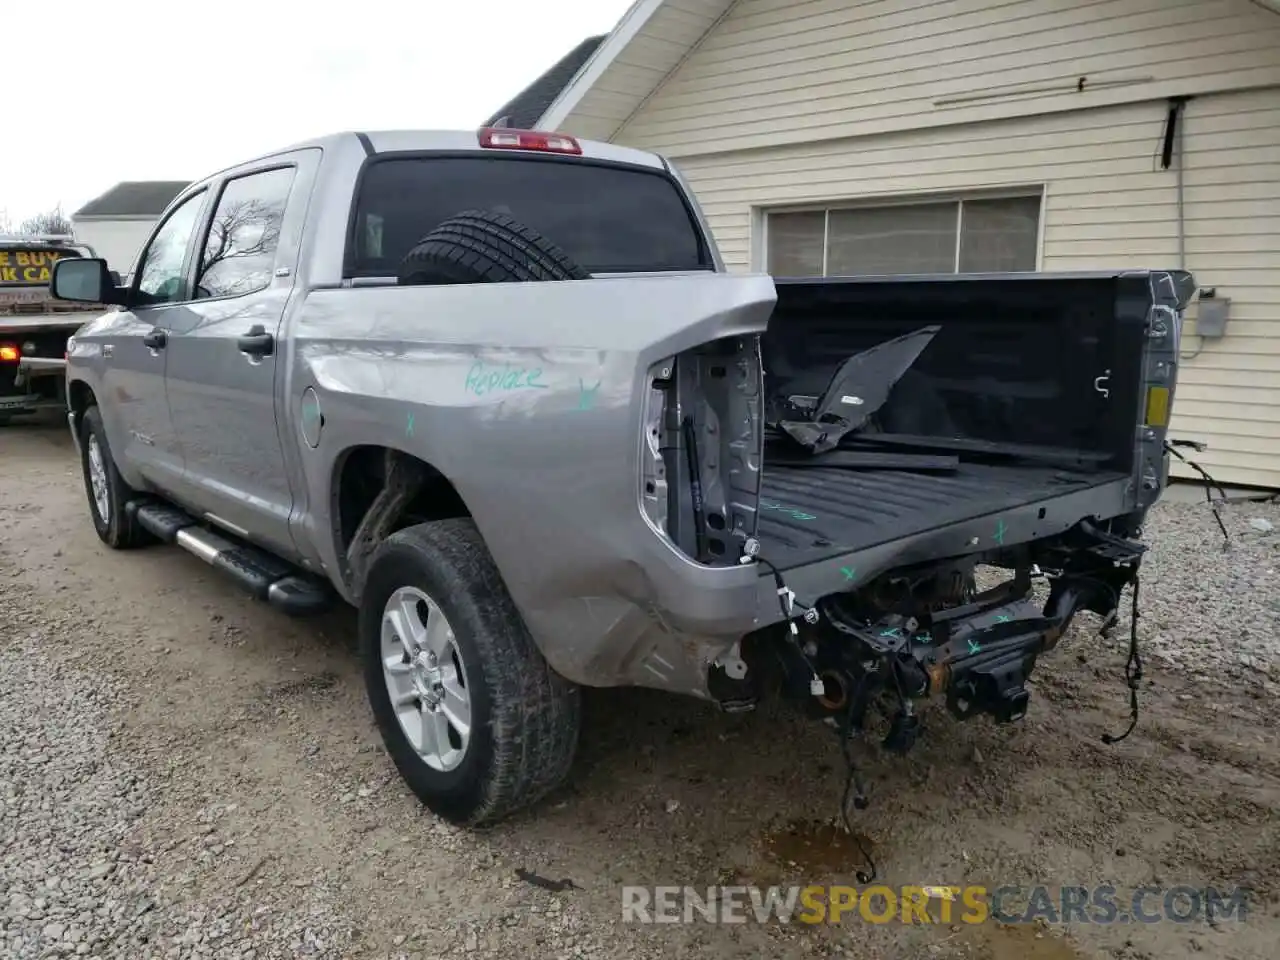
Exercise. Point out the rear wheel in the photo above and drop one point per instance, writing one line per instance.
(106, 489)
(475, 720)
(480, 246)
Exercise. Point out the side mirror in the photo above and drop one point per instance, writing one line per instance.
(84, 280)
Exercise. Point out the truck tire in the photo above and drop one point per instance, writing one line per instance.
(469, 663)
(106, 489)
(479, 246)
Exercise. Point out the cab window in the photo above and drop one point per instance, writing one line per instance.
(160, 278)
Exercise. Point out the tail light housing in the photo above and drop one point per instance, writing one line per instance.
(9, 353)
(500, 138)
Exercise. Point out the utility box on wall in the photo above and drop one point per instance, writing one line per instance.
(1212, 315)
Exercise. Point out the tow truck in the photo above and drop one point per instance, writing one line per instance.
(33, 326)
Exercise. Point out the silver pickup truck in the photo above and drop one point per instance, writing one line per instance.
(498, 391)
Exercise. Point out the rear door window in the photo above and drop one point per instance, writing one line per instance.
(239, 253)
(607, 218)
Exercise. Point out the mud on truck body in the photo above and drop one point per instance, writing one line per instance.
(499, 392)
(34, 327)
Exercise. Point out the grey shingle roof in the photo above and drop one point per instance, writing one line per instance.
(526, 107)
(133, 198)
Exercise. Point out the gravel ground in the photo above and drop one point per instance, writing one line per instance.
(1215, 604)
(184, 773)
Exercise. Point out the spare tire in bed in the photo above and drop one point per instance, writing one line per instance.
(478, 246)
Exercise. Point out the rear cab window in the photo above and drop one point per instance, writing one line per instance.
(609, 218)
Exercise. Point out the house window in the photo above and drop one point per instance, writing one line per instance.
(976, 235)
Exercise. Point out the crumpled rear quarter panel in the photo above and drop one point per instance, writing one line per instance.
(529, 398)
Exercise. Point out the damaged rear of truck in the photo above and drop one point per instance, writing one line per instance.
(882, 441)
(498, 391)
(860, 492)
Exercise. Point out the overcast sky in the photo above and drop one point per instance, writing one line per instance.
(99, 91)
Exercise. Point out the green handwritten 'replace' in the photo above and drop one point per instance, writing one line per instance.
(483, 379)
(792, 512)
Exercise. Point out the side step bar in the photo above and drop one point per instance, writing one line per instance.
(266, 577)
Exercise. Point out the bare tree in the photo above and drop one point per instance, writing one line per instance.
(238, 254)
(50, 222)
(241, 247)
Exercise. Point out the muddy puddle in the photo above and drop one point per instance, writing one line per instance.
(998, 941)
(817, 849)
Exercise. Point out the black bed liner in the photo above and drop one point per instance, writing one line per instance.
(810, 513)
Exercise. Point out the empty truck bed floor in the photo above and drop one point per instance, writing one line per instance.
(810, 513)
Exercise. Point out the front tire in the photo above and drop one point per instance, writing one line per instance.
(475, 720)
(106, 489)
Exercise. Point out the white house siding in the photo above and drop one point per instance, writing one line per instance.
(117, 241)
(671, 30)
(781, 71)
(790, 104)
(1228, 389)
(1107, 205)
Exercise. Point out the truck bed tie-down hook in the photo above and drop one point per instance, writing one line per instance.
(1098, 384)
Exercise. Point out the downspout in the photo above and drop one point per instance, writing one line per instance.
(1173, 153)
(1179, 122)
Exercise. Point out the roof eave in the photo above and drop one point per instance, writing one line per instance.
(628, 28)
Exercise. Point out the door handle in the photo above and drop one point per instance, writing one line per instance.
(257, 342)
(156, 339)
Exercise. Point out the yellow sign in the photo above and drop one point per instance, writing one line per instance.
(31, 266)
(884, 905)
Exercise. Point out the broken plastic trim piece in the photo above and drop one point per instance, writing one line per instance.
(858, 390)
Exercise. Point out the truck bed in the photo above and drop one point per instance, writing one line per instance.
(811, 513)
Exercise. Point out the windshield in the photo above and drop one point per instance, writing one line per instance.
(608, 218)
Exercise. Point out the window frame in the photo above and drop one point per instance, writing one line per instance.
(351, 274)
(1022, 192)
(207, 228)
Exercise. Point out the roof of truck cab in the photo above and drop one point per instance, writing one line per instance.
(449, 141)
(437, 141)
(394, 141)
